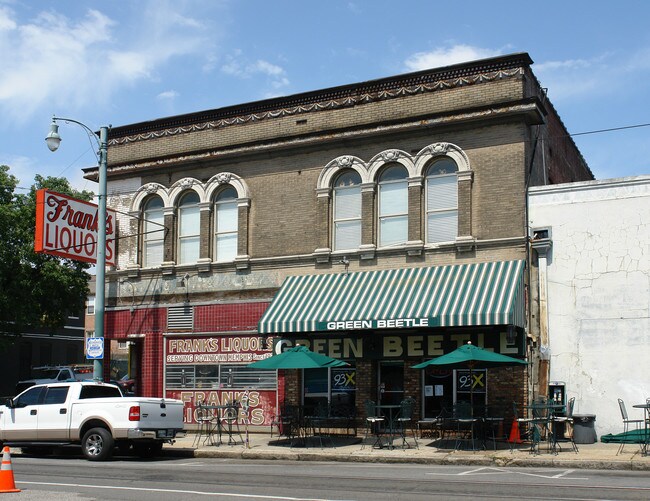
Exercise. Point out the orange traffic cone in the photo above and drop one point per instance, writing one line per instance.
(515, 437)
(6, 473)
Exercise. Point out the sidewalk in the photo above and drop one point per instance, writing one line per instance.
(262, 446)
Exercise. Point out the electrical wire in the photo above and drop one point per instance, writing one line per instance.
(598, 131)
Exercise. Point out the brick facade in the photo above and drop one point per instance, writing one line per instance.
(487, 115)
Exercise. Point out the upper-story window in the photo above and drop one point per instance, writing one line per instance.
(189, 228)
(347, 211)
(442, 201)
(393, 206)
(153, 233)
(90, 305)
(225, 225)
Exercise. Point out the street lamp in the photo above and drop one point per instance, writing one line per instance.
(53, 141)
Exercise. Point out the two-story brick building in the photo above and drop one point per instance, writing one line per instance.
(382, 222)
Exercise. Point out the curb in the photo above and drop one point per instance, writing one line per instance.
(450, 459)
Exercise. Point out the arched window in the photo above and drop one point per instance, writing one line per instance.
(153, 233)
(189, 228)
(393, 206)
(347, 211)
(225, 225)
(442, 201)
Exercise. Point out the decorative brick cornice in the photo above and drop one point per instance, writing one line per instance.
(329, 99)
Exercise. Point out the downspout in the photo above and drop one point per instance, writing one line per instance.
(541, 243)
(527, 235)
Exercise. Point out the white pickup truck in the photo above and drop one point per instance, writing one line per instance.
(93, 415)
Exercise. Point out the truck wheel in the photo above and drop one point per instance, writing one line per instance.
(97, 444)
(148, 450)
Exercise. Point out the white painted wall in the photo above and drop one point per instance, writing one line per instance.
(599, 292)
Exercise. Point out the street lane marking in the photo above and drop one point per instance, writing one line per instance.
(489, 470)
(179, 491)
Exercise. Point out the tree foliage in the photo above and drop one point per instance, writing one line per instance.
(36, 290)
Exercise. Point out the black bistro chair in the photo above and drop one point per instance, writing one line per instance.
(567, 421)
(466, 426)
(374, 424)
(406, 422)
(627, 422)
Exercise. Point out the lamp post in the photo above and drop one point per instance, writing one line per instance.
(53, 141)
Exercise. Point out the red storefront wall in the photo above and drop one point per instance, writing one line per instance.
(146, 327)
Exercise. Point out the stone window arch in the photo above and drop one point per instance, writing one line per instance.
(392, 206)
(149, 225)
(153, 232)
(226, 224)
(346, 211)
(447, 194)
(188, 228)
(229, 197)
(441, 205)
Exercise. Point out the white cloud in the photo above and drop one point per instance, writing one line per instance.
(267, 68)
(639, 60)
(168, 95)
(22, 168)
(570, 64)
(237, 66)
(447, 56)
(55, 61)
(573, 78)
(6, 21)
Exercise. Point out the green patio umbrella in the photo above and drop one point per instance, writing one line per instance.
(471, 357)
(297, 357)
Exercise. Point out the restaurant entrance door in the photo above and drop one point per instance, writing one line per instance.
(390, 383)
(438, 391)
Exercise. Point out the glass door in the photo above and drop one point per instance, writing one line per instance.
(391, 383)
(438, 391)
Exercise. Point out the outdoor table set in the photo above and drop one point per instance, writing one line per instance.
(464, 428)
(386, 422)
(390, 414)
(542, 426)
(216, 420)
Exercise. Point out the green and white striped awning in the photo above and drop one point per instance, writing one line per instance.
(441, 296)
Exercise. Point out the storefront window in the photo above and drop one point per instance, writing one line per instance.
(336, 387)
(219, 377)
(445, 387)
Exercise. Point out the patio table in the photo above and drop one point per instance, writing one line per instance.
(542, 422)
(393, 412)
(219, 413)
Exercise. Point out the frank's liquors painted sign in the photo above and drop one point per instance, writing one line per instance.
(67, 227)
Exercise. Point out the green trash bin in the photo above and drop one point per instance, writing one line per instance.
(584, 431)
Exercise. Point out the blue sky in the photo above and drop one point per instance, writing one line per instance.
(120, 62)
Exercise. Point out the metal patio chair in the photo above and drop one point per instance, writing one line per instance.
(405, 421)
(374, 424)
(568, 423)
(627, 422)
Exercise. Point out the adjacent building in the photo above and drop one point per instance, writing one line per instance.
(40, 347)
(381, 222)
(593, 249)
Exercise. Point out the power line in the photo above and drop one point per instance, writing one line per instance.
(598, 131)
(609, 130)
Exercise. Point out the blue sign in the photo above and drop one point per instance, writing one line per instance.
(94, 348)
